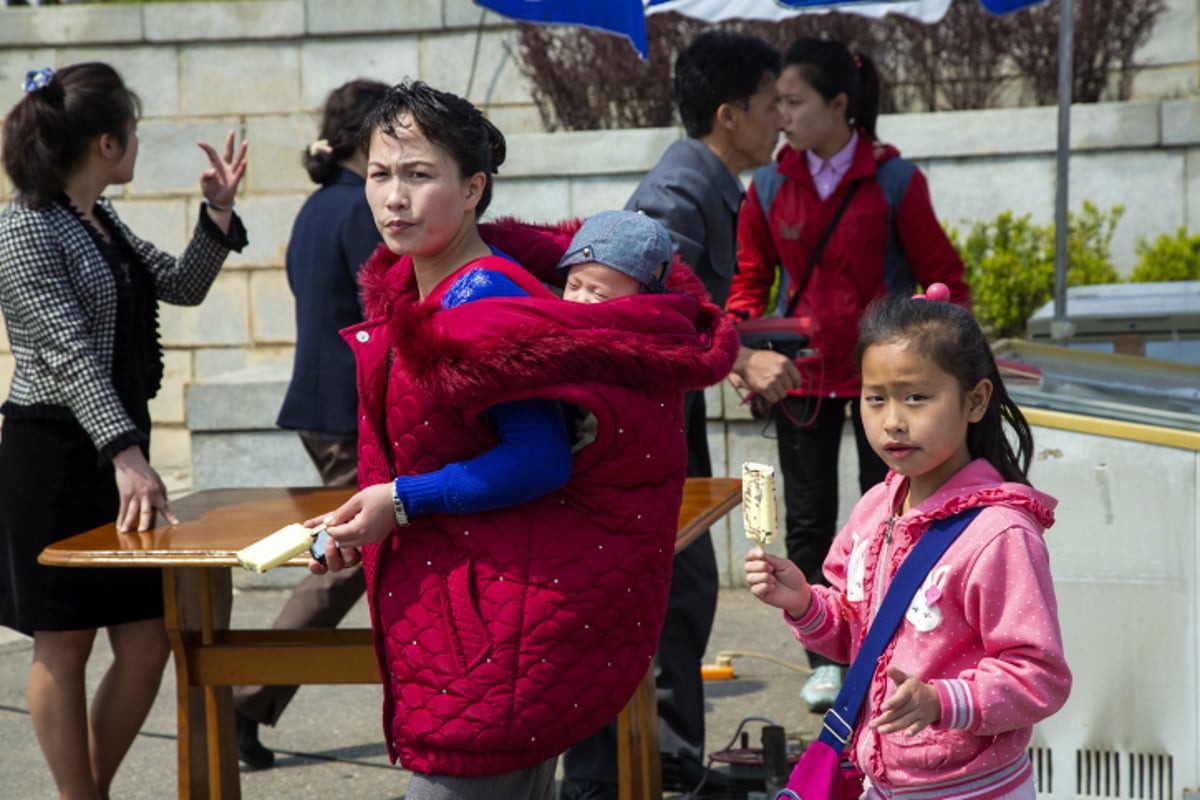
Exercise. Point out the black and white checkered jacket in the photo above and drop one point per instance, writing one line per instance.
(59, 301)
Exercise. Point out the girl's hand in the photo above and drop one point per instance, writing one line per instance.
(219, 183)
(366, 518)
(777, 582)
(141, 491)
(914, 707)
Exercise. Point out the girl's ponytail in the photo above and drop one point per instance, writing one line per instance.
(867, 113)
(51, 127)
(34, 132)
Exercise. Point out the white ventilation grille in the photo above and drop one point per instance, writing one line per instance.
(1099, 774)
(1151, 777)
(1043, 770)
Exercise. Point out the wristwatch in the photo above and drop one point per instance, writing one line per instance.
(398, 507)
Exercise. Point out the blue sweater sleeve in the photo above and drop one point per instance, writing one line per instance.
(534, 455)
(533, 459)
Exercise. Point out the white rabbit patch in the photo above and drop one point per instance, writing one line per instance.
(855, 591)
(924, 610)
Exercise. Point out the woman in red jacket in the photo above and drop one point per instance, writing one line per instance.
(848, 220)
(516, 565)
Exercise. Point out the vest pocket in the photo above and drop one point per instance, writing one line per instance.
(468, 636)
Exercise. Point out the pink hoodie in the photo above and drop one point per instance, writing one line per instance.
(983, 630)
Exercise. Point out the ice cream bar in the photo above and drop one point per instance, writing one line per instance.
(273, 550)
(758, 501)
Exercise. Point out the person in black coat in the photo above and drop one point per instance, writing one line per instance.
(332, 237)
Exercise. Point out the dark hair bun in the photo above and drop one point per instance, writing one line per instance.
(496, 143)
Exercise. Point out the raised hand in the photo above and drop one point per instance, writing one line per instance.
(777, 582)
(219, 182)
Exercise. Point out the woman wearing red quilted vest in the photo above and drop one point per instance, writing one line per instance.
(517, 565)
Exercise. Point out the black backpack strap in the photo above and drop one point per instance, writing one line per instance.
(767, 181)
(893, 177)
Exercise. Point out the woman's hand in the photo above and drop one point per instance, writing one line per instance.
(366, 518)
(914, 707)
(141, 490)
(765, 373)
(219, 183)
(777, 582)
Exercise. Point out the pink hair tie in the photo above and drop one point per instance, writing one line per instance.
(936, 291)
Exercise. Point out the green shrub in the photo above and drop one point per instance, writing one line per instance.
(1168, 258)
(1010, 263)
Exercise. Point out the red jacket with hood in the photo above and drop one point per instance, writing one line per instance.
(887, 239)
(505, 637)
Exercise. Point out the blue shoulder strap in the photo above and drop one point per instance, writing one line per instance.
(839, 720)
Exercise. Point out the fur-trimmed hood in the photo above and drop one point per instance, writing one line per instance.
(674, 341)
(535, 246)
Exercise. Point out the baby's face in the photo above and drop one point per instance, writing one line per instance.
(592, 282)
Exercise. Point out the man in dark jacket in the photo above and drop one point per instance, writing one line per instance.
(725, 91)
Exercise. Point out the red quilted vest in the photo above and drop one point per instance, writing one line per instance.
(505, 637)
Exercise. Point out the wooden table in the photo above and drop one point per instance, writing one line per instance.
(196, 556)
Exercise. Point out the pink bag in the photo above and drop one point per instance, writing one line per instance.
(820, 774)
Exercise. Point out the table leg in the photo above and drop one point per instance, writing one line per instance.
(639, 773)
(173, 622)
(197, 603)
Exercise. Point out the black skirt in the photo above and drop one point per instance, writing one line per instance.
(52, 487)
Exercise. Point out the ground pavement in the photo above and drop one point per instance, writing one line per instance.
(329, 741)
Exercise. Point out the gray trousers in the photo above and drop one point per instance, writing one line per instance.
(535, 783)
(318, 601)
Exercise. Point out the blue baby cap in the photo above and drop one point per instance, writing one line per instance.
(629, 242)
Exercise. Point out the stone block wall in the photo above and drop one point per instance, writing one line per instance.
(263, 69)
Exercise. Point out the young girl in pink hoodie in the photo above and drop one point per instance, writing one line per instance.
(978, 658)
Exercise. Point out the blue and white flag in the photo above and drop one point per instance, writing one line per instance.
(720, 10)
(624, 17)
(628, 17)
(775, 10)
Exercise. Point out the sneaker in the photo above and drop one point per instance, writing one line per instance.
(822, 687)
(250, 750)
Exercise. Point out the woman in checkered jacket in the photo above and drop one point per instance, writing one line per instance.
(79, 293)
